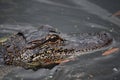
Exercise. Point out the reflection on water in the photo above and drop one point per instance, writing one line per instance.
(70, 16)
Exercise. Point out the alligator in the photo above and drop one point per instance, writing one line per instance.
(47, 46)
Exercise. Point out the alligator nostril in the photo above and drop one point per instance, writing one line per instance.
(21, 34)
(7, 46)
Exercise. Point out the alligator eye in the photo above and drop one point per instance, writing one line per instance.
(53, 38)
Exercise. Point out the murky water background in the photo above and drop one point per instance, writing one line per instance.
(68, 16)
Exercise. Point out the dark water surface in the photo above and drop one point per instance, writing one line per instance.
(68, 16)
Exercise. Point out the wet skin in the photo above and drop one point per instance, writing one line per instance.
(47, 46)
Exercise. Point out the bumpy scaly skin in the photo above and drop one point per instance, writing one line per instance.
(46, 46)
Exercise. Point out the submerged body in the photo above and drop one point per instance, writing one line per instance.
(47, 46)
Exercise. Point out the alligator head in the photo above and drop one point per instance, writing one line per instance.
(46, 46)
